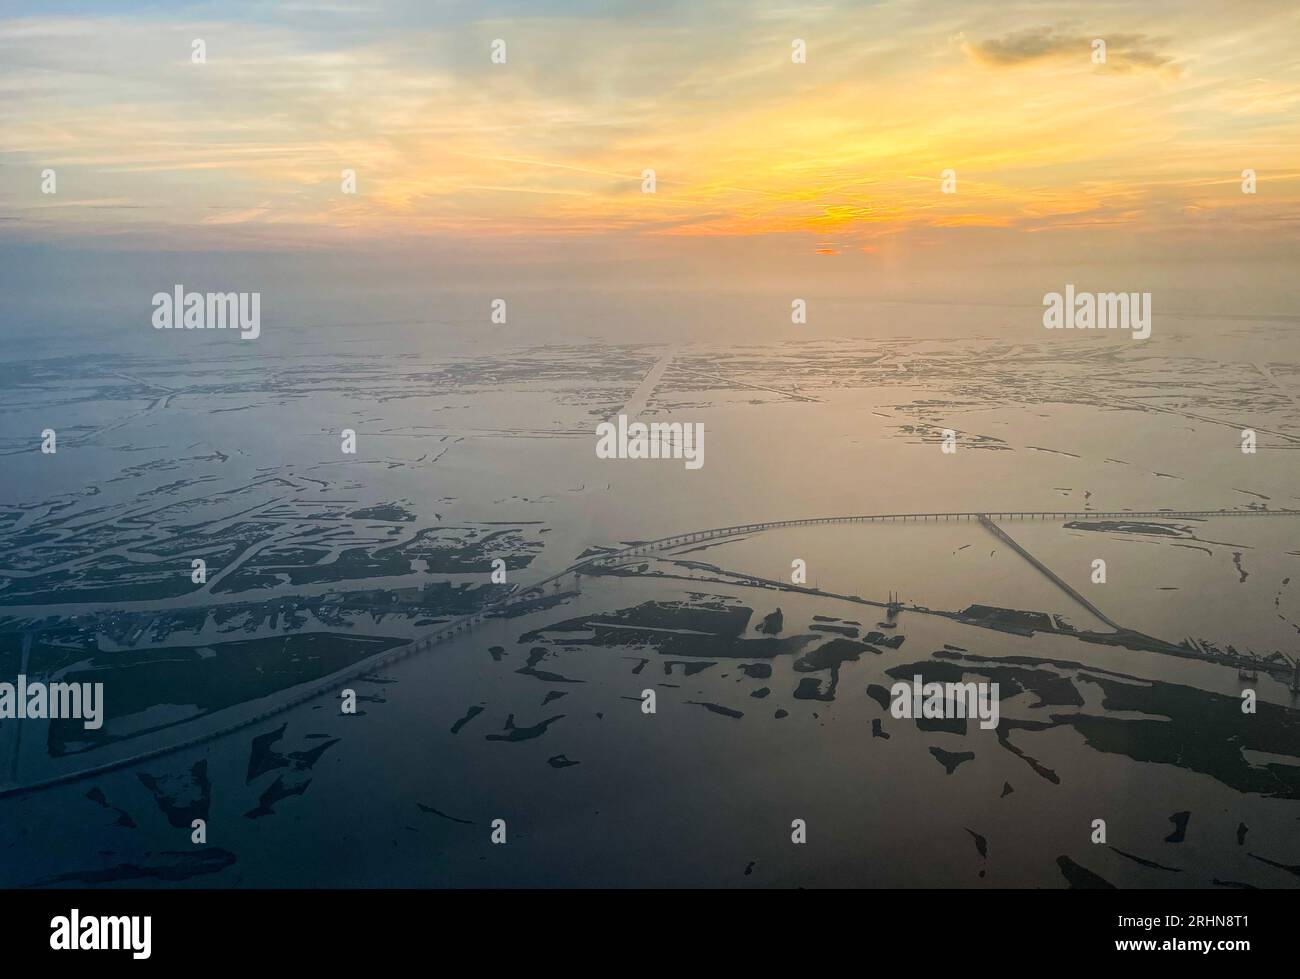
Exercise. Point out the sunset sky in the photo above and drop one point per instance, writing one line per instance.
(842, 154)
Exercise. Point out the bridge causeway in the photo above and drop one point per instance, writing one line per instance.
(1044, 515)
(1047, 572)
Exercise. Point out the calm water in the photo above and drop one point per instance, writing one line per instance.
(471, 452)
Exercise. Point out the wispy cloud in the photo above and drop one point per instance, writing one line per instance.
(1124, 52)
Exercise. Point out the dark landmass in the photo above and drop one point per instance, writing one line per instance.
(523, 733)
(717, 709)
(472, 712)
(951, 759)
(1081, 878)
(175, 865)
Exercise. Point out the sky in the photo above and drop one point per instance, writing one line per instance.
(761, 163)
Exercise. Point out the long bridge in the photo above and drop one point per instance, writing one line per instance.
(1047, 572)
(663, 543)
(461, 625)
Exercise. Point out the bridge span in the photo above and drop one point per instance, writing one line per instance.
(1047, 572)
(663, 543)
